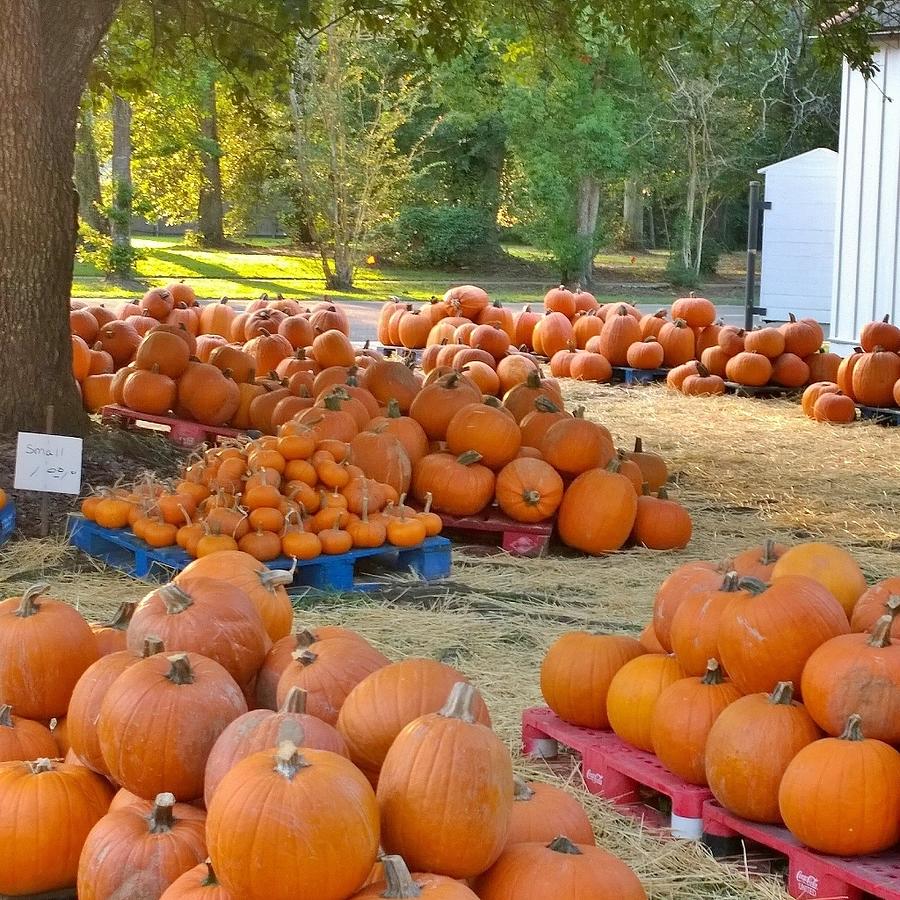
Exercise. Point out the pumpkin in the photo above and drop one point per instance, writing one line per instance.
(329, 316)
(653, 322)
(437, 403)
(585, 326)
(633, 693)
(45, 647)
(682, 718)
(597, 512)
(823, 366)
(767, 341)
(732, 340)
(553, 333)
(767, 633)
(834, 407)
(207, 343)
(758, 562)
(536, 871)
(23, 739)
(801, 337)
(576, 673)
(483, 375)
(678, 343)
(561, 300)
(468, 299)
(749, 747)
(844, 377)
(812, 394)
(181, 614)
(853, 774)
(649, 641)
(561, 362)
(150, 392)
(520, 399)
(217, 318)
(620, 331)
(652, 465)
(157, 302)
(199, 883)
(645, 354)
(876, 334)
(683, 582)
(660, 523)
(207, 395)
(694, 632)
(586, 366)
(328, 670)
(398, 882)
(120, 340)
(542, 809)
(383, 457)
(529, 490)
(460, 486)
(789, 370)
(874, 376)
(856, 673)
(40, 859)
(698, 312)
(751, 369)
(675, 378)
(128, 852)
(180, 700)
(296, 800)
(703, 384)
(163, 352)
(536, 423)
(96, 392)
(385, 702)
(574, 445)
(524, 326)
(82, 324)
(708, 337)
(880, 599)
(489, 431)
(110, 636)
(833, 567)
(449, 770)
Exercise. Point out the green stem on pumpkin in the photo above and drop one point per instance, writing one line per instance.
(768, 554)
(27, 606)
(305, 657)
(210, 880)
(123, 615)
(532, 497)
(459, 703)
(469, 457)
(754, 585)
(853, 730)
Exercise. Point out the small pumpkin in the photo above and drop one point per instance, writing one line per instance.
(23, 739)
(751, 369)
(698, 312)
(529, 490)
(575, 445)
(881, 333)
(834, 407)
(541, 809)
(460, 486)
(801, 337)
(881, 599)
(646, 354)
(759, 562)
(691, 578)
(767, 341)
(661, 523)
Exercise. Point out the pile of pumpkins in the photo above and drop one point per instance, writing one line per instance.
(198, 750)
(773, 678)
(165, 355)
(869, 376)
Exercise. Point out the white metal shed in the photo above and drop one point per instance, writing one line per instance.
(798, 235)
(867, 232)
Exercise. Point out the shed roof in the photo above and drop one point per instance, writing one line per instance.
(819, 154)
(887, 18)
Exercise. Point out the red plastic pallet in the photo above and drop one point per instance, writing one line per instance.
(517, 538)
(617, 771)
(181, 432)
(812, 875)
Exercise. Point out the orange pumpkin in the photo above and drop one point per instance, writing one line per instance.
(541, 811)
(597, 512)
(833, 567)
(460, 486)
(529, 490)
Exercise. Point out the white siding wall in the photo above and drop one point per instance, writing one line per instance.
(798, 236)
(867, 238)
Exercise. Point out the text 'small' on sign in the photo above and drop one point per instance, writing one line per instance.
(49, 463)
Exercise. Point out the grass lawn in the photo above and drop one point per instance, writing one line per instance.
(267, 265)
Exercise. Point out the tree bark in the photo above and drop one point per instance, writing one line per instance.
(87, 172)
(491, 184)
(48, 46)
(212, 208)
(633, 215)
(122, 188)
(588, 209)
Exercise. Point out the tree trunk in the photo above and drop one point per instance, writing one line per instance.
(341, 279)
(211, 212)
(588, 209)
(633, 215)
(491, 186)
(687, 230)
(651, 226)
(87, 172)
(122, 190)
(48, 46)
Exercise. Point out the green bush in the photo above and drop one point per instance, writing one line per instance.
(98, 249)
(437, 236)
(679, 274)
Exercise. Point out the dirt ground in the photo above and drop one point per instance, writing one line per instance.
(746, 470)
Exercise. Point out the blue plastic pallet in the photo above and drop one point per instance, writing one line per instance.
(879, 414)
(120, 549)
(7, 521)
(629, 376)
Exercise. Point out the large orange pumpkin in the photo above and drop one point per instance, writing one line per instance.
(542, 811)
(382, 456)
(620, 331)
(574, 444)
(207, 395)
(487, 430)
(553, 333)
(874, 377)
(833, 567)
(597, 512)
(459, 486)
(468, 299)
(678, 343)
(529, 490)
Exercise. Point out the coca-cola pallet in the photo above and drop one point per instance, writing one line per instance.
(516, 538)
(182, 432)
(810, 875)
(620, 773)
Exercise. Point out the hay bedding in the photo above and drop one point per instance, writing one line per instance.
(746, 470)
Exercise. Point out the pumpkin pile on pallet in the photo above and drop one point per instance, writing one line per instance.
(313, 748)
(789, 356)
(870, 376)
(773, 678)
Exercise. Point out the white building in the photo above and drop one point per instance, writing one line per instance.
(798, 236)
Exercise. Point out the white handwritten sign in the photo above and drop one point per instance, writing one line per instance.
(49, 463)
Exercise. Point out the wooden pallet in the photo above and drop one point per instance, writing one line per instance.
(516, 538)
(618, 772)
(7, 521)
(182, 432)
(809, 874)
(631, 377)
(880, 414)
(122, 550)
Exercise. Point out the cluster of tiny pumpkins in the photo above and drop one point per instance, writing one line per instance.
(200, 747)
(713, 686)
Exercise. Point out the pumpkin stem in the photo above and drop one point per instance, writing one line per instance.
(399, 882)
(662, 494)
(295, 702)
(578, 412)
(161, 818)
(469, 457)
(881, 633)
(892, 606)
(614, 465)
(545, 404)
(152, 645)
(273, 578)
(333, 403)
(768, 554)
(534, 379)
(730, 582)
(123, 615)
(853, 730)
(532, 497)
(210, 880)
(175, 599)
(40, 765)
(713, 673)
(562, 844)
(459, 703)
(305, 657)
(754, 585)
(304, 638)
(792, 317)
(393, 409)
(288, 760)
(429, 499)
(6, 716)
(27, 606)
(638, 445)
(180, 671)
(783, 695)
(521, 790)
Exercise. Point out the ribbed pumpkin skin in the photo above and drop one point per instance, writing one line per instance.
(386, 701)
(686, 580)
(196, 884)
(831, 566)
(633, 694)
(577, 671)
(748, 748)
(445, 796)
(122, 858)
(767, 638)
(548, 811)
(534, 872)
(872, 605)
(758, 562)
(597, 512)
(874, 377)
(37, 858)
(23, 739)
(314, 834)
(840, 796)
